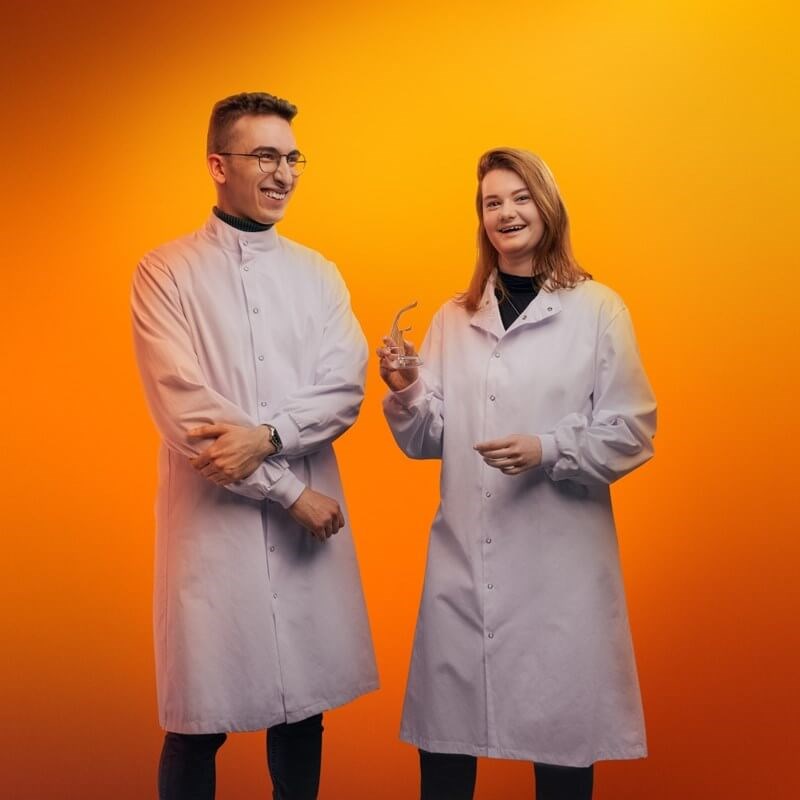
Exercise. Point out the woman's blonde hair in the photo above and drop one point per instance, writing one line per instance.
(552, 261)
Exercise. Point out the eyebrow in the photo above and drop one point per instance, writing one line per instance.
(497, 197)
(266, 149)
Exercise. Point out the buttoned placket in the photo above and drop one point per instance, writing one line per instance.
(252, 298)
(494, 367)
(490, 416)
(248, 275)
(488, 319)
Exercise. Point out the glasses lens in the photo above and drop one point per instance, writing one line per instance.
(268, 162)
(297, 164)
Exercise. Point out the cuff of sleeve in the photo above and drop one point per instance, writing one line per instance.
(289, 433)
(410, 394)
(549, 449)
(286, 489)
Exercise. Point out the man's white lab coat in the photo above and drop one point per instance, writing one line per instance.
(256, 622)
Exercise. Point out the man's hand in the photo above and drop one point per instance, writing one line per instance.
(512, 454)
(317, 513)
(237, 452)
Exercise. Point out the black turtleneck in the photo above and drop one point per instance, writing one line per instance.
(520, 290)
(241, 223)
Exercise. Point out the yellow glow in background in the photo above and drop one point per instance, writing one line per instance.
(672, 128)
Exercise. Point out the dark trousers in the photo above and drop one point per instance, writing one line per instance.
(187, 768)
(446, 776)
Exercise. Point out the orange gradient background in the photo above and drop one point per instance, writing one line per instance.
(672, 128)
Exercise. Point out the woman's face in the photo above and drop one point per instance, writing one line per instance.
(510, 216)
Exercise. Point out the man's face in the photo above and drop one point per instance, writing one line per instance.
(242, 188)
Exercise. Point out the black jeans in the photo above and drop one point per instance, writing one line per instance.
(187, 769)
(446, 776)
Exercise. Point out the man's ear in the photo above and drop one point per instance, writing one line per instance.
(216, 168)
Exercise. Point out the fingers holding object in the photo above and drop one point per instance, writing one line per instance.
(391, 352)
(387, 358)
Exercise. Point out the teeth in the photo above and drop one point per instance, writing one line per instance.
(273, 194)
(512, 228)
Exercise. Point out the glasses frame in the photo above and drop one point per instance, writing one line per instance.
(396, 335)
(301, 161)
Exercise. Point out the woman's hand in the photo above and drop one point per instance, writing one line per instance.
(395, 377)
(512, 454)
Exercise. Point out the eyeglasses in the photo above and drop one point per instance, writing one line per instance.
(268, 160)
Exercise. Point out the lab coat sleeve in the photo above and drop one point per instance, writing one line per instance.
(316, 414)
(618, 436)
(416, 414)
(176, 389)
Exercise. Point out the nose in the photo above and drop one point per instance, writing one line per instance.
(283, 174)
(507, 210)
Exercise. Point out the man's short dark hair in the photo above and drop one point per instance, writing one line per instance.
(227, 111)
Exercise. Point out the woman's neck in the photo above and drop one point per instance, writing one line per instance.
(523, 266)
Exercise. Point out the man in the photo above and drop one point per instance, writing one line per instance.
(252, 364)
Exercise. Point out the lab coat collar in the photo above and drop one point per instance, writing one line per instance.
(546, 304)
(229, 238)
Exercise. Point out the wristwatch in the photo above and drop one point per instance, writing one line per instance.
(274, 437)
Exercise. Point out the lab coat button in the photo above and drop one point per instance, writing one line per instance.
(488, 494)
(497, 355)
(549, 308)
(491, 397)
(274, 595)
(263, 403)
(488, 540)
(255, 311)
(490, 586)
(491, 636)
(246, 268)
(272, 548)
(261, 358)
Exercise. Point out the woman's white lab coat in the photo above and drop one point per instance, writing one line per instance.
(522, 648)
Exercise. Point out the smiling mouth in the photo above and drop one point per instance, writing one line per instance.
(274, 194)
(511, 228)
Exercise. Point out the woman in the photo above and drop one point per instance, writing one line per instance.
(533, 395)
